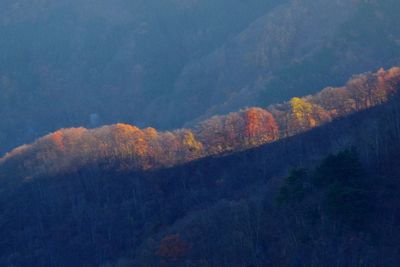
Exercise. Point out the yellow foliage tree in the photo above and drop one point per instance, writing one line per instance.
(304, 115)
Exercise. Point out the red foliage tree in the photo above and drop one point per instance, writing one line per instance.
(260, 127)
(57, 139)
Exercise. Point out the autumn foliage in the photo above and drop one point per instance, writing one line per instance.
(361, 92)
(126, 147)
(236, 131)
(261, 127)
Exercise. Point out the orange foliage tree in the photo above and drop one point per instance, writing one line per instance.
(57, 139)
(260, 127)
(127, 147)
(239, 130)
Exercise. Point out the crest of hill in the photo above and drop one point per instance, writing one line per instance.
(126, 147)
(205, 203)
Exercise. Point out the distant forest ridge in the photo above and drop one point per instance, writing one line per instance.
(126, 147)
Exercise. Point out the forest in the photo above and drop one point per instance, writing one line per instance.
(153, 63)
(126, 147)
(199, 133)
(319, 196)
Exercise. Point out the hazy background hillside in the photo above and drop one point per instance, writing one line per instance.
(62, 61)
(168, 63)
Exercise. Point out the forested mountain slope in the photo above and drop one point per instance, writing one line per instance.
(167, 63)
(294, 50)
(249, 164)
(222, 211)
(62, 61)
(126, 147)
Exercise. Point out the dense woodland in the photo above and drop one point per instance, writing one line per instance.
(116, 56)
(248, 163)
(172, 63)
(338, 206)
(288, 193)
(127, 147)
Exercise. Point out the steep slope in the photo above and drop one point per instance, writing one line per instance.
(127, 147)
(294, 50)
(217, 211)
(63, 61)
(167, 63)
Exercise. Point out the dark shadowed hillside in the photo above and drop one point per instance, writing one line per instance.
(235, 210)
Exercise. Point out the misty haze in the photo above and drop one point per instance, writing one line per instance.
(200, 133)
